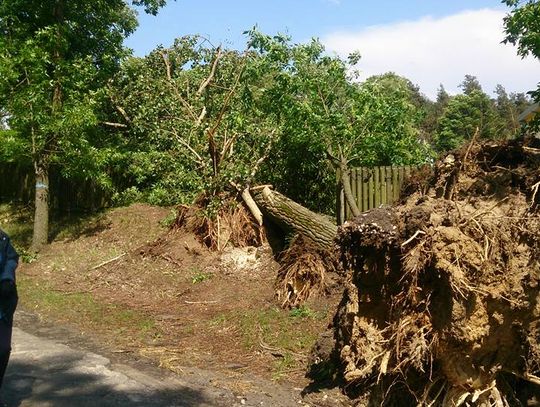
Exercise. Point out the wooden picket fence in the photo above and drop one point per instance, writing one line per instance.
(371, 187)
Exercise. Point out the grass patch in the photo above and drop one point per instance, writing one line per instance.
(200, 276)
(304, 312)
(275, 327)
(83, 309)
(16, 221)
(72, 226)
(218, 320)
(289, 333)
(283, 366)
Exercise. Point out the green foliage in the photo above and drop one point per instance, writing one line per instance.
(200, 276)
(193, 120)
(55, 58)
(25, 255)
(507, 111)
(470, 84)
(303, 312)
(12, 147)
(390, 123)
(322, 113)
(455, 119)
(522, 28)
(432, 114)
(463, 115)
(53, 61)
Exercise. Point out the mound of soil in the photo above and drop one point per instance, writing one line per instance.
(442, 300)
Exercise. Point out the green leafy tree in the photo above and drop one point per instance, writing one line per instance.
(391, 118)
(507, 111)
(464, 115)
(470, 84)
(193, 118)
(55, 56)
(311, 102)
(522, 28)
(324, 114)
(191, 122)
(521, 101)
(433, 112)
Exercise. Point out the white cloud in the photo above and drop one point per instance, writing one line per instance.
(431, 51)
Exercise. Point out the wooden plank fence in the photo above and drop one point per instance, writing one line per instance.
(371, 187)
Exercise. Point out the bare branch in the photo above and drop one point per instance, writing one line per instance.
(207, 81)
(174, 88)
(227, 145)
(119, 125)
(212, 131)
(197, 156)
(123, 113)
(183, 101)
(167, 65)
(108, 261)
(201, 117)
(262, 158)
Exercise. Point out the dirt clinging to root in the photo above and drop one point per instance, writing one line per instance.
(442, 299)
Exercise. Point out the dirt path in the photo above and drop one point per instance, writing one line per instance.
(56, 366)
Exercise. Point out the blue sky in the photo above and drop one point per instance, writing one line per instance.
(398, 35)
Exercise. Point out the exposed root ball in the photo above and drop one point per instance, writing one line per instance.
(231, 225)
(442, 291)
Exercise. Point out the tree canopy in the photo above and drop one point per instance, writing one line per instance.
(273, 113)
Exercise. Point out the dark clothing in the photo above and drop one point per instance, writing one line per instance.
(5, 347)
(9, 260)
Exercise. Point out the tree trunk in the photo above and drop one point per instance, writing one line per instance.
(293, 216)
(41, 214)
(347, 191)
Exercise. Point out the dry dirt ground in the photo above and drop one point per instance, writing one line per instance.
(145, 290)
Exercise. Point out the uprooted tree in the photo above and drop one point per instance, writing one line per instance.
(441, 302)
(226, 120)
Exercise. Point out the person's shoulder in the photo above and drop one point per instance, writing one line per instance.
(3, 235)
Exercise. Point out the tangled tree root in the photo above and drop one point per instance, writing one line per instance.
(304, 272)
(232, 225)
(442, 301)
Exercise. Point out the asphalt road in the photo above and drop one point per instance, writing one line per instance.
(52, 367)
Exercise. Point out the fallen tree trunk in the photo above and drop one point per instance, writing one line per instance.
(293, 216)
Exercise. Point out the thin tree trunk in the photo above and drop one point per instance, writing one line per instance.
(41, 160)
(41, 214)
(347, 191)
